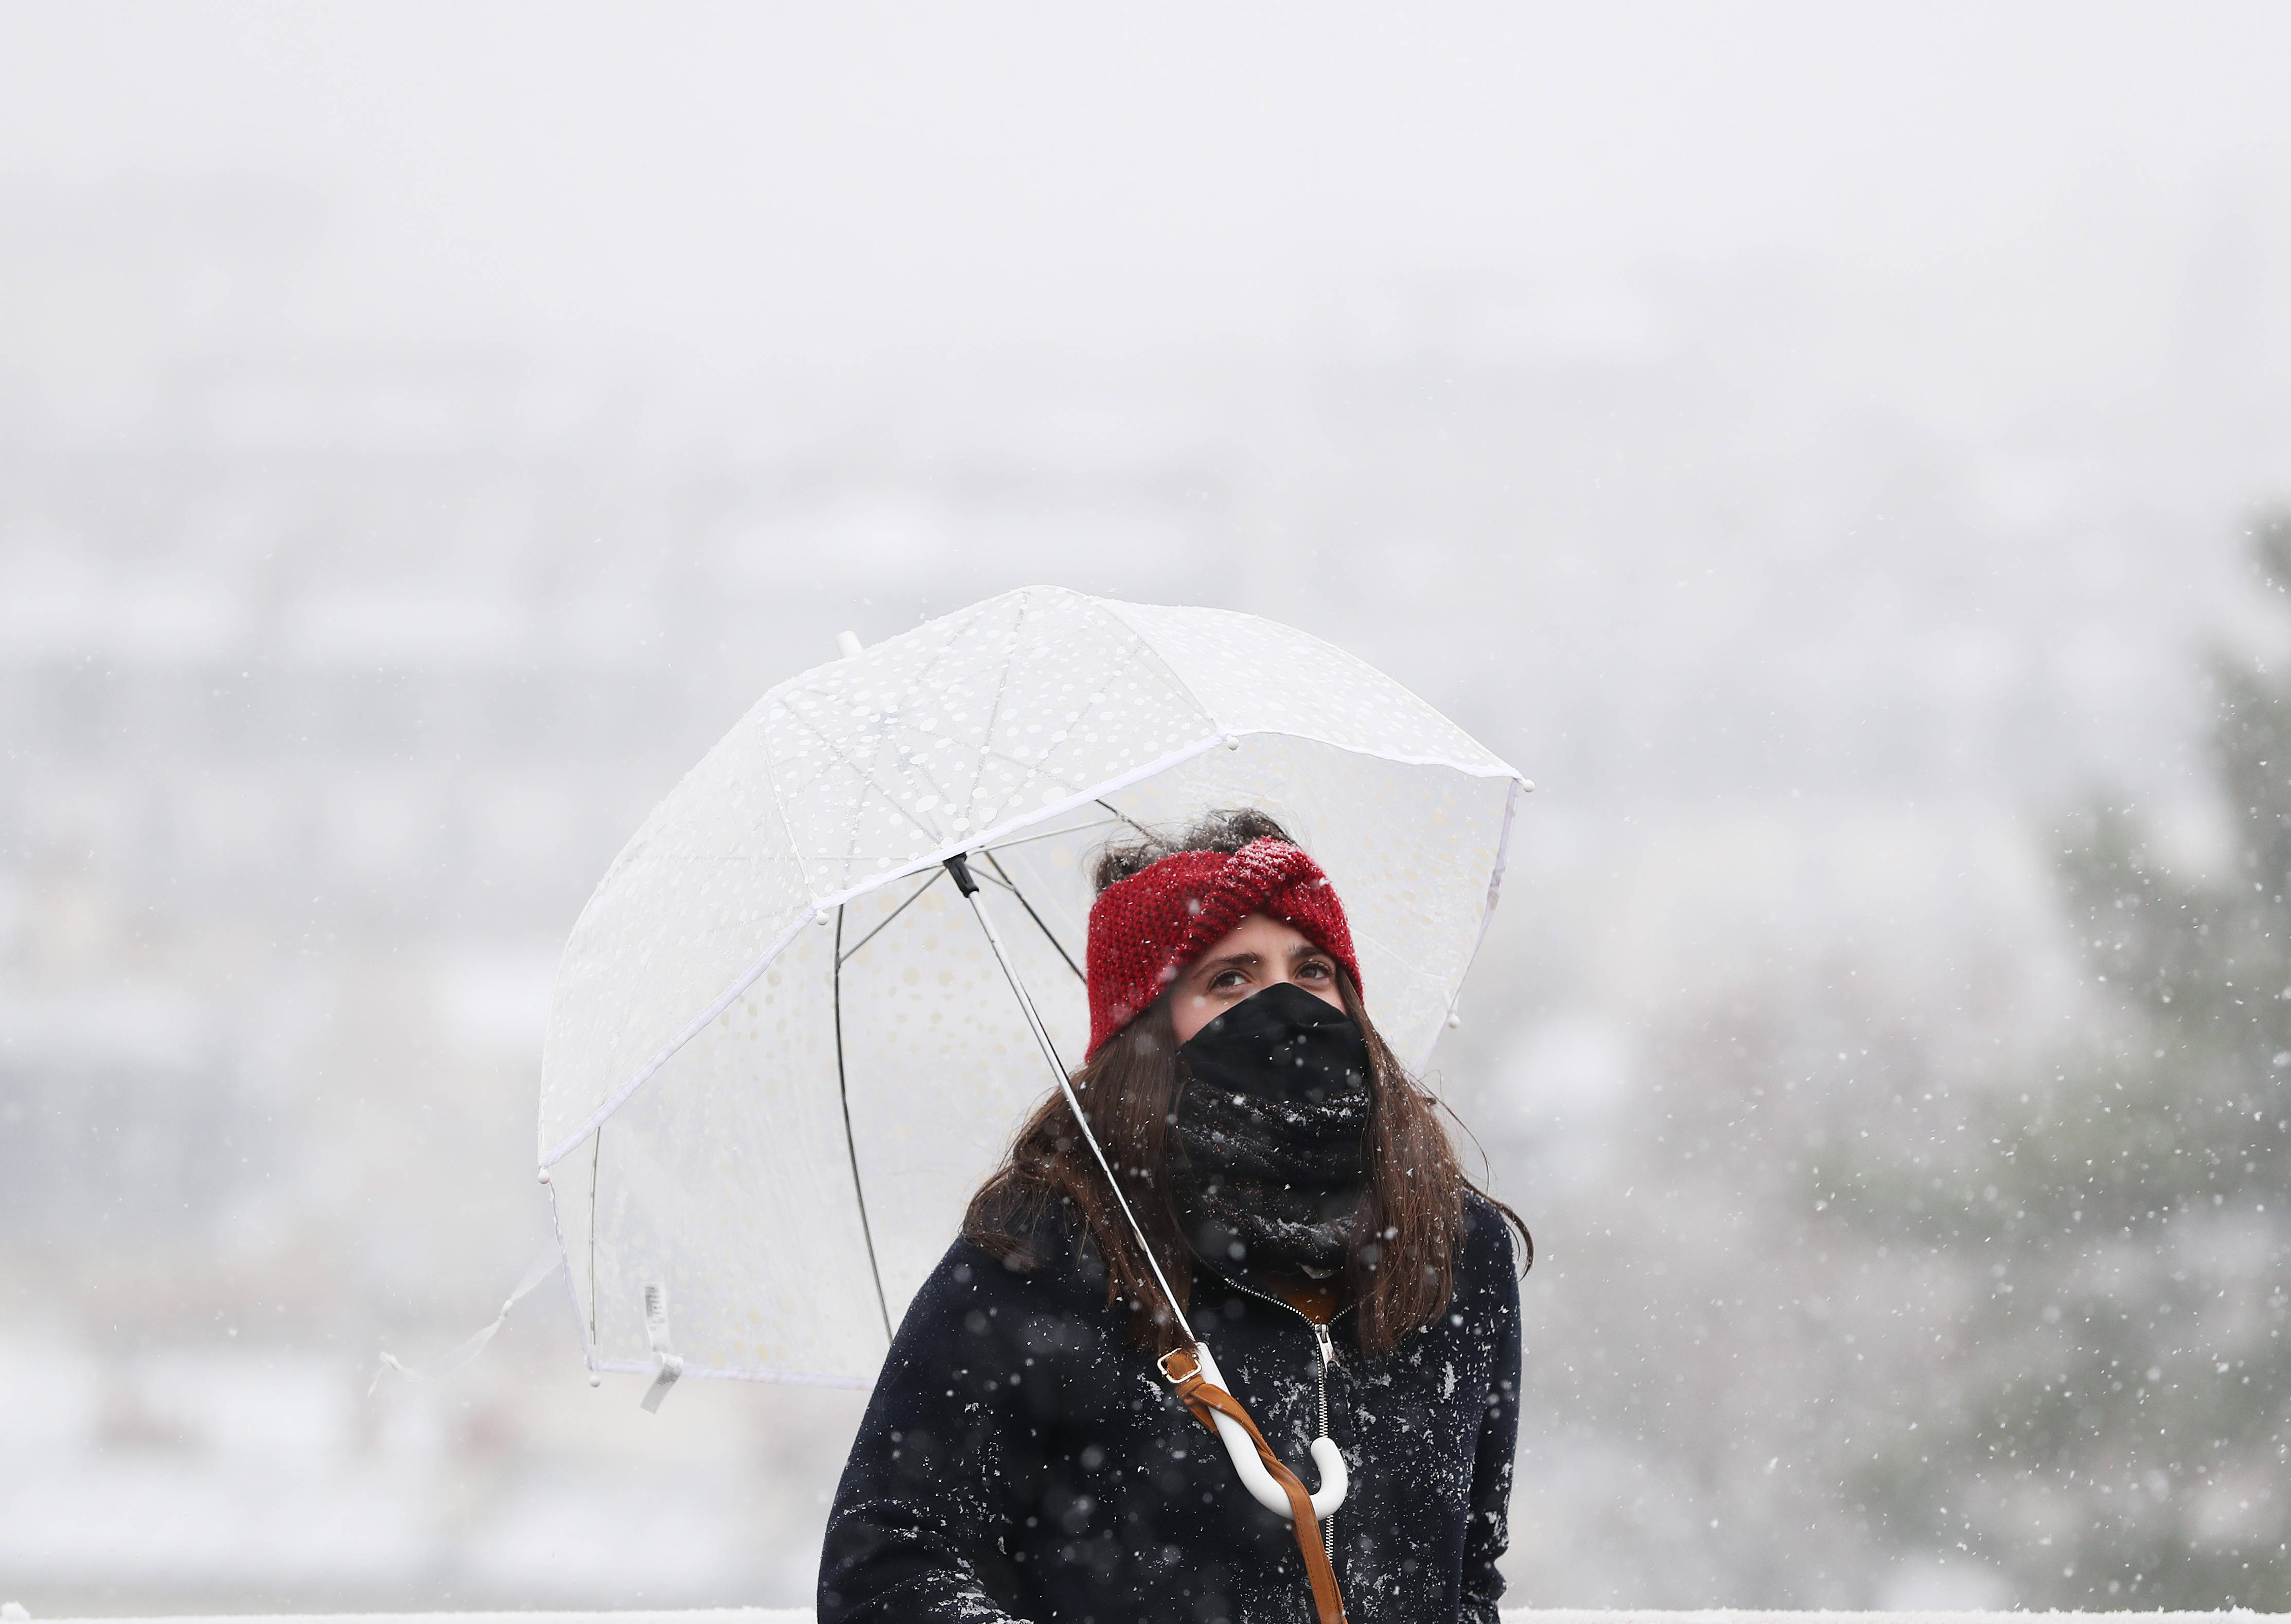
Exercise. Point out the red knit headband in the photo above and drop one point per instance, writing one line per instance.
(1147, 929)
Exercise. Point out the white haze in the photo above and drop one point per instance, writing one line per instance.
(1815, 445)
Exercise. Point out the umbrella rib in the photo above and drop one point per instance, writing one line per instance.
(850, 1143)
(865, 775)
(1052, 834)
(923, 766)
(851, 854)
(841, 959)
(995, 711)
(596, 1162)
(1011, 886)
(1122, 817)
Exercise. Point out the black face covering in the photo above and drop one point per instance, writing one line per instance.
(1269, 1150)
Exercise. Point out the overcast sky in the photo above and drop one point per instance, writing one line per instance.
(729, 184)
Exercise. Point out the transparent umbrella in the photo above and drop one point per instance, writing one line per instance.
(782, 1051)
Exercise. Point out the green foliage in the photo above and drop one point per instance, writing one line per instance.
(2118, 1428)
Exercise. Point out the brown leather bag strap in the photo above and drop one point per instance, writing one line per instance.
(1206, 1403)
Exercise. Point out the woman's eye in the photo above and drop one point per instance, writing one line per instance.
(1314, 968)
(1226, 979)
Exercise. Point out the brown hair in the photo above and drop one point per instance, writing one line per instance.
(1401, 1267)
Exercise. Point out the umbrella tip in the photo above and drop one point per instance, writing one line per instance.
(596, 1378)
(846, 644)
(544, 1175)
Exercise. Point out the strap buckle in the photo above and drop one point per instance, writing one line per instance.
(1179, 1378)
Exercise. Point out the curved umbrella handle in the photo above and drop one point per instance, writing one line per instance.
(1251, 1470)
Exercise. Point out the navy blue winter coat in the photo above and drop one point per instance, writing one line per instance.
(1020, 1460)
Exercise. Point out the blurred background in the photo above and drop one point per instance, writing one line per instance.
(1829, 451)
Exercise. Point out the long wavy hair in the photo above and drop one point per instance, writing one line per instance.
(1401, 1267)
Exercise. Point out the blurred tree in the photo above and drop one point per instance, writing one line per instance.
(2117, 1428)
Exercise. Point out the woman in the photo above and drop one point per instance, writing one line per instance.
(1023, 1459)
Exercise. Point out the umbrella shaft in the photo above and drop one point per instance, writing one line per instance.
(960, 870)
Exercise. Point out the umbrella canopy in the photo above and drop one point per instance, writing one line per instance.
(780, 1055)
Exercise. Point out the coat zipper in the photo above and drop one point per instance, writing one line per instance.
(1328, 1352)
(1327, 1358)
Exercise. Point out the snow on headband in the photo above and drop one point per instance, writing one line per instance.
(1146, 929)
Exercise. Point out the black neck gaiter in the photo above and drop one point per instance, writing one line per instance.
(1269, 1149)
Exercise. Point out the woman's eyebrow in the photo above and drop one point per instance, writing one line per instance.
(1237, 960)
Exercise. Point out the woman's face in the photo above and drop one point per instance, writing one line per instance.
(1252, 956)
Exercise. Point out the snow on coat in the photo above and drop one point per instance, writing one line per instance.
(1020, 1460)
